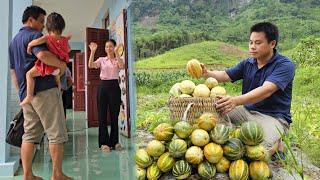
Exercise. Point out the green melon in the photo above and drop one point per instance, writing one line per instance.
(206, 170)
(233, 149)
(183, 129)
(177, 148)
(142, 158)
(181, 169)
(251, 133)
(165, 162)
(220, 134)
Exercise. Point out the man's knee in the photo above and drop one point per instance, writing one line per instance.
(237, 116)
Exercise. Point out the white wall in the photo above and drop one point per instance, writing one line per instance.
(116, 5)
(17, 12)
(7, 164)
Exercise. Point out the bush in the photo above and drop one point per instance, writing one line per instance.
(307, 52)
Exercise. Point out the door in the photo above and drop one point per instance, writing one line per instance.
(118, 31)
(99, 36)
(78, 79)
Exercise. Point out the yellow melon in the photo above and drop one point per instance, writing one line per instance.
(194, 68)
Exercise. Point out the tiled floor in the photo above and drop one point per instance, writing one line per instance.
(82, 158)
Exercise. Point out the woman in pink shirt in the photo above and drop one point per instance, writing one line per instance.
(109, 93)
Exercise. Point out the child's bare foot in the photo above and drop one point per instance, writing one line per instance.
(26, 100)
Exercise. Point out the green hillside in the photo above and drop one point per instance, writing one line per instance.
(207, 52)
(166, 24)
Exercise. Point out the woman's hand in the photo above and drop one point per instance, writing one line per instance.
(93, 46)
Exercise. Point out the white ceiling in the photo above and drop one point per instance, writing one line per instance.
(78, 14)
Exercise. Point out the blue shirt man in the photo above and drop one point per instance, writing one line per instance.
(44, 114)
(266, 88)
(280, 71)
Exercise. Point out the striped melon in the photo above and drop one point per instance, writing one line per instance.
(194, 68)
(181, 169)
(155, 148)
(239, 170)
(220, 133)
(177, 148)
(259, 170)
(207, 121)
(251, 133)
(142, 158)
(153, 172)
(211, 82)
(256, 152)
(233, 149)
(165, 162)
(194, 155)
(213, 152)
(182, 129)
(141, 173)
(163, 132)
(206, 170)
(200, 137)
(223, 165)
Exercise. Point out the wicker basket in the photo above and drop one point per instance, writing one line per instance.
(197, 106)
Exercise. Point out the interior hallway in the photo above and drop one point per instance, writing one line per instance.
(83, 160)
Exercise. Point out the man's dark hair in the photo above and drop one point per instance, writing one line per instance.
(55, 23)
(270, 30)
(32, 11)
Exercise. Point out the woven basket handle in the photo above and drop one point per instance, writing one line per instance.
(184, 117)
